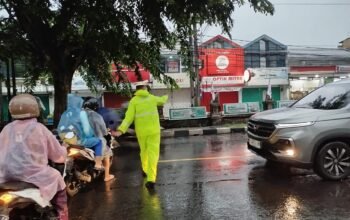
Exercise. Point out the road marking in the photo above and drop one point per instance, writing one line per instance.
(204, 158)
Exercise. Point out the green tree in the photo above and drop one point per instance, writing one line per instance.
(61, 36)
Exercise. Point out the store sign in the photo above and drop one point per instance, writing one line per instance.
(284, 103)
(222, 62)
(235, 108)
(187, 113)
(343, 69)
(222, 83)
(182, 80)
(217, 63)
(262, 76)
(173, 66)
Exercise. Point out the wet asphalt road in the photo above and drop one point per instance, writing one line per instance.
(211, 177)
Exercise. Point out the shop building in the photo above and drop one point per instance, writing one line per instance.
(344, 44)
(266, 58)
(310, 68)
(222, 71)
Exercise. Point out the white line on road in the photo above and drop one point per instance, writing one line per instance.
(204, 158)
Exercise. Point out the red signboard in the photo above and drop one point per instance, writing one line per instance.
(312, 68)
(222, 62)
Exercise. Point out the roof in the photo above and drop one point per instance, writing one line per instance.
(219, 37)
(265, 37)
(318, 56)
(344, 40)
(310, 52)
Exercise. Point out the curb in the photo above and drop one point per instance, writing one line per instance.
(200, 131)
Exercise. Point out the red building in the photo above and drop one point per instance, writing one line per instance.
(222, 70)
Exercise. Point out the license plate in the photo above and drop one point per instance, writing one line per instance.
(254, 143)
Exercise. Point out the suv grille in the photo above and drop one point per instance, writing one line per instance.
(261, 129)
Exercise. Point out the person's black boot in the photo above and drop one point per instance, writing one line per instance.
(144, 174)
(150, 185)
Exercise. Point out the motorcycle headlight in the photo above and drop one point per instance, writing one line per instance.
(73, 151)
(6, 198)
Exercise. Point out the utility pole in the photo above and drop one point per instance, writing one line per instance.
(196, 65)
(190, 58)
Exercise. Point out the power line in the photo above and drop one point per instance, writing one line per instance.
(289, 45)
(312, 4)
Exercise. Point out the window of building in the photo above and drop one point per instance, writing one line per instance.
(272, 47)
(262, 61)
(170, 63)
(276, 60)
(255, 61)
(217, 44)
(272, 61)
(262, 45)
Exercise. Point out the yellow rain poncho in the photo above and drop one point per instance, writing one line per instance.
(143, 112)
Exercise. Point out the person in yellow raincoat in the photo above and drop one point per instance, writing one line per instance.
(143, 111)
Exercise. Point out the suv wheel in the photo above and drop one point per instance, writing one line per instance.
(333, 161)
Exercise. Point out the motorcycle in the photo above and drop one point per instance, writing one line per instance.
(21, 200)
(80, 165)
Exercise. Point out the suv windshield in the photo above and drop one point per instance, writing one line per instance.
(327, 97)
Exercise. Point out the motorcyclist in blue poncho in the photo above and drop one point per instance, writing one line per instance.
(75, 119)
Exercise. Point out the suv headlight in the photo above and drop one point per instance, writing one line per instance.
(285, 147)
(295, 125)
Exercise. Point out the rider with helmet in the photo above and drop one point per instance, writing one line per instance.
(98, 125)
(76, 119)
(26, 148)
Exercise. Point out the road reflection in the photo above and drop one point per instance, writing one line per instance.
(150, 205)
(292, 195)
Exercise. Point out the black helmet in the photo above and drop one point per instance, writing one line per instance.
(91, 103)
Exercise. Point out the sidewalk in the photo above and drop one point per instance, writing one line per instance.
(197, 131)
(131, 140)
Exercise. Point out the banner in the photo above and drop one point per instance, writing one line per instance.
(266, 76)
(253, 107)
(187, 113)
(235, 108)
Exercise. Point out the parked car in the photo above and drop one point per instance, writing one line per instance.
(314, 132)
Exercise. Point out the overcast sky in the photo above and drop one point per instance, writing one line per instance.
(318, 23)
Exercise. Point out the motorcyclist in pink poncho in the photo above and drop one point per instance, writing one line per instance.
(26, 148)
